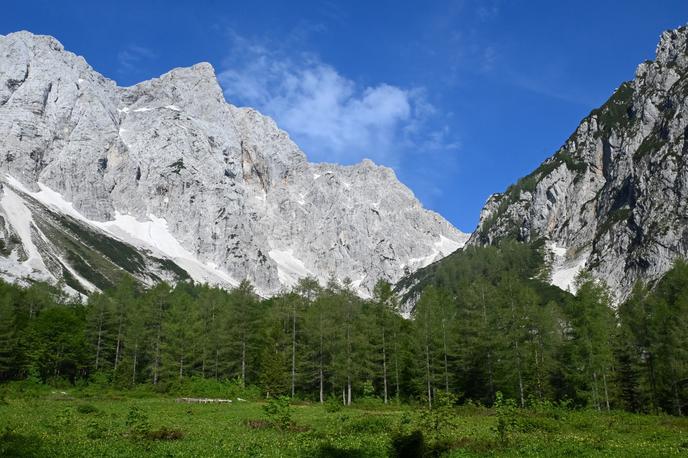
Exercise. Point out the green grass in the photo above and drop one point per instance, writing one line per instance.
(54, 424)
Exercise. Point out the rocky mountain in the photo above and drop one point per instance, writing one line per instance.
(166, 180)
(613, 199)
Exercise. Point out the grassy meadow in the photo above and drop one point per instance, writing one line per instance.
(56, 423)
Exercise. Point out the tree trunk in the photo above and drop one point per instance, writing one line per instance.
(348, 355)
(100, 334)
(293, 350)
(348, 390)
(518, 351)
(156, 362)
(217, 358)
(322, 388)
(490, 376)
(606, 392)
(181, 364)
(243, 362)
(446, 363)
(595, 392)
(653, 382)
(384, 363)
(321, 374)
(396, 366)
(136, 354)
(119, 341)
(520, 384)
(427, 374)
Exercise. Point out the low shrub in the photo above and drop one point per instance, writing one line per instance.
(408, 445)
(333, 404)
(95, 430)
(13, 443)
(257, 424)
(278, 411)
(506, 417)
(137, 423)
(164, 434)
(86, 409)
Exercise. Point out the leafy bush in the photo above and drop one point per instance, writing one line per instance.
(438, 423)
(65, 418)
(95, 430)
(86, 409)
(409, 445)
(506, 417)
(137, 423)
(13, 443)
(332, 404)
(211, 388)
(164, 434)
(332, 451)
(368, 389)
(278, 412)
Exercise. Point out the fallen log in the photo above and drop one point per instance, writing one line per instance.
(203, 401)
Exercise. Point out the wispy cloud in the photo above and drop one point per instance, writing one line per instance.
(132, 56)
(332, 117)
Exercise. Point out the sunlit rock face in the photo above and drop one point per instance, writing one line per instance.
(614, 199)
(171, 168)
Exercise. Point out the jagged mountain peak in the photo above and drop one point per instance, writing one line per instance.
(612, 199)
(169, 167)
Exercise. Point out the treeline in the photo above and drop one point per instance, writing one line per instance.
(483, 323)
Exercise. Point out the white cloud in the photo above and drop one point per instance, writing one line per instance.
(330, 116)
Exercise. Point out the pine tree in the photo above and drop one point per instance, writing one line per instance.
(8, 334)
(273, 365)
(592, 325)
(99, 323)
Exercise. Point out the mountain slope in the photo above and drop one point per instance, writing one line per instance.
(614, 199)
(169, 166)
(39, 243)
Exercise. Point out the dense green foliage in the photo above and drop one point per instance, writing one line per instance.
(482, 323)
(43, 423)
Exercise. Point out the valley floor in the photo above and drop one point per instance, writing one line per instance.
(121, 425)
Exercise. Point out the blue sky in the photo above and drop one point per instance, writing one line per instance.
(461, 98)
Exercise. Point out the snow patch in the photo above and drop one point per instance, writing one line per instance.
(85, 283)
(564, 271)
(143, 109)
(173, 107)
(289, 268)
(152, 234)
(447, 246)
(362, 292)
(155, 234)
(441, 248)
(21, 220)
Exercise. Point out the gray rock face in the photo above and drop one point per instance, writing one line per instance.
(614, 199)
(169, 166)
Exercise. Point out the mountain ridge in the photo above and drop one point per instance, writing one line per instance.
(231, 188)
(612, 199)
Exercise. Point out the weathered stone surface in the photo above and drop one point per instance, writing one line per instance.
(614, 199)
(169, 165)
